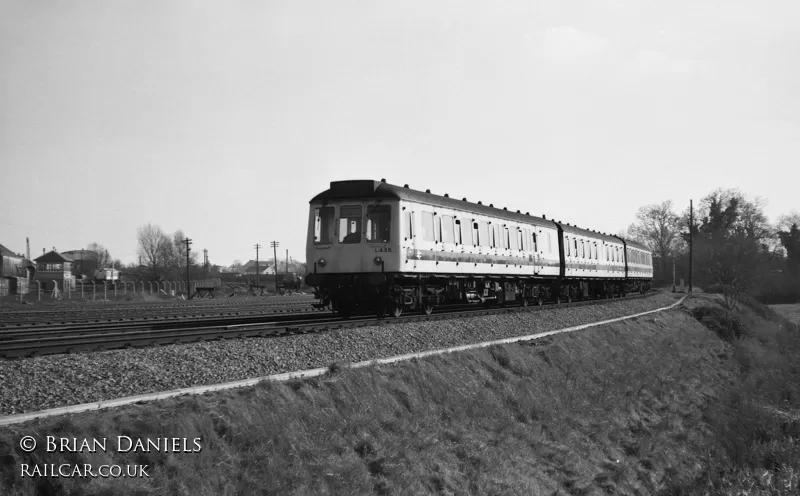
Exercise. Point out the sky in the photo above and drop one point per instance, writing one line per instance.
(223, 119)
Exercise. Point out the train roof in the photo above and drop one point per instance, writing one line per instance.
(589, 233)
(636, 244)
(342, 190)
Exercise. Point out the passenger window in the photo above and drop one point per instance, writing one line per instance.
(483, 234)
(379, 223)
(534, 241)
(437, 231)
(497, 241)
(575, 247)
(569, 251)
(511, 241)
(323, 225)
(350, 224)
(427, 226)
(466, 233)
(549, 243)
(583, 249)
(409, 225)
(448, 236)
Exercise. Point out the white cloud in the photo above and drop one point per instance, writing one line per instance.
(659, 62)
(566, 42)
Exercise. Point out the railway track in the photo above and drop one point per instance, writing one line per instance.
(76, 337)
(72, 315)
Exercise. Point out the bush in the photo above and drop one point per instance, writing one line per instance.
(724, 323)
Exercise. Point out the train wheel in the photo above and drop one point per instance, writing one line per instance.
(345, 311)
(427, 308)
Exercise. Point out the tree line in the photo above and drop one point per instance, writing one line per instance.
(736, 249)
(163, 256)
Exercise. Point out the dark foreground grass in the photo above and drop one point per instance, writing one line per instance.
(657, 405)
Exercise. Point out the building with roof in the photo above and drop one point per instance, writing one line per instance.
(15, 272)
(54, 268)
(264, 268)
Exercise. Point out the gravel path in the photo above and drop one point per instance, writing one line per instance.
(61, 380)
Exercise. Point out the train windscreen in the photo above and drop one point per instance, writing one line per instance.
(379, 218)
(350, 224)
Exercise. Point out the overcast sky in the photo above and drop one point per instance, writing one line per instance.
(224, 118)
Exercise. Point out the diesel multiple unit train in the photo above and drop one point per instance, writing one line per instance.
(377, 247)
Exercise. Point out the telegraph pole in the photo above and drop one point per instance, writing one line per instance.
(257, 246)
(274, 246)
(188, 287)
(691, 234)
(205, 262)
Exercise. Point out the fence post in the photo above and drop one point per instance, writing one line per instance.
(94, 291)
(81, 289)
(115, 290)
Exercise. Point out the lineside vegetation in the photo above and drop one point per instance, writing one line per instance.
(658, 405)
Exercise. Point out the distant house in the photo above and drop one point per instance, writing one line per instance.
(264, 268)
(53, 266)
(84, 262)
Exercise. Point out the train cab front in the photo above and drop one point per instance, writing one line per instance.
(350, 254)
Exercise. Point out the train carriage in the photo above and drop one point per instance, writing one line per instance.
(379, 247)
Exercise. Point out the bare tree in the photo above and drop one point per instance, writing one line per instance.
(154, 248)
(98, 253)
(658, 227)
(178, 258)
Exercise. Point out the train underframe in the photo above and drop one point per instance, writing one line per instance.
(392, 294)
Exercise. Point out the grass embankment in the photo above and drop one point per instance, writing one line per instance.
(660, 404)
(789, 311)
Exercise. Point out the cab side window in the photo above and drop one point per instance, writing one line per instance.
(323, 225)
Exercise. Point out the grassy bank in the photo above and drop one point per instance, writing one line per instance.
(660, 404)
